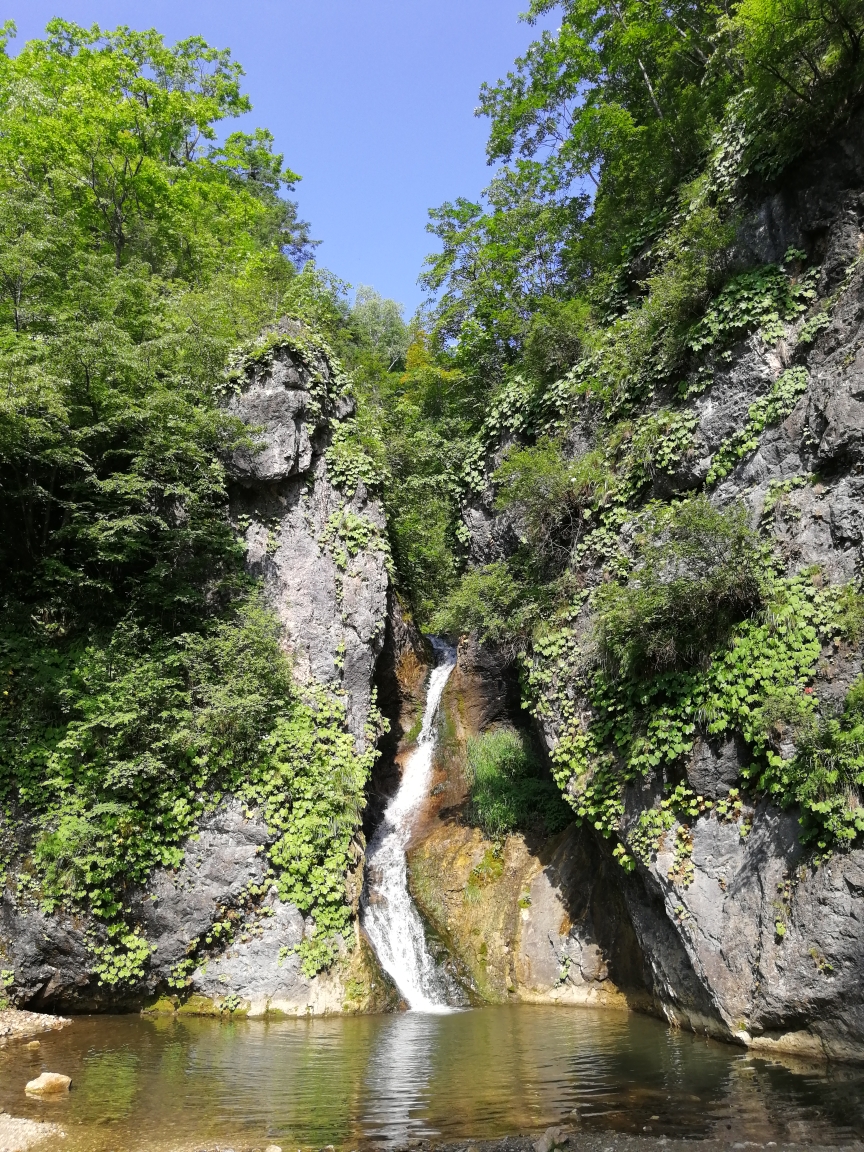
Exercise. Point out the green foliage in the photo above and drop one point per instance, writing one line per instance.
(413, 429)
(697, 571)
(312, 788)
(489, 600)
(766, 298)
(803, 69)
(549, 494)
(495, 265)
(755, 680)
(123, 960)
(586, 326)
(350, 463)
(770, 409)
(657, 442)
(556, 337)
(379, 326)
(646, 838)
(347, 534)
(507, 792)
(825, 773)
(7, 980)
(119, 749)
(144, 681)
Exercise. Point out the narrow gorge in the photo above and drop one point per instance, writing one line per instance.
(507, 658)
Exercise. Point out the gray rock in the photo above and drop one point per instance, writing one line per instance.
(332, 604)
(219, 864)
(715, 766)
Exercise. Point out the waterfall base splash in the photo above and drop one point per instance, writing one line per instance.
(390, 917)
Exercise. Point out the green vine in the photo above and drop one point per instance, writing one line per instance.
(767, 298)
(768, 410)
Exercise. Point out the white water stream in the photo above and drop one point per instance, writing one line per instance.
(389, 916)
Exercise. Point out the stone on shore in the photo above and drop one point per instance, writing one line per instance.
(16, 1024)
(552, 1138)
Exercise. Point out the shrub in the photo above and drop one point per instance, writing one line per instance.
(556, 337)
(549, 494)
(698, 570)
(507, 792)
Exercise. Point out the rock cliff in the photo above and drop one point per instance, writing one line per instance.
(727, 924)
(330, 598)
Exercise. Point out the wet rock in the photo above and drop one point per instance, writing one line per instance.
(554, 1137)
(48, 1083)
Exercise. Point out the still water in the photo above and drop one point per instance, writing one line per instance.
(378, 1080)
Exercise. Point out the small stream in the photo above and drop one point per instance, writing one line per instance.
(389, 915)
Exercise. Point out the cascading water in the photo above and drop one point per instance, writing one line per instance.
(389, 916)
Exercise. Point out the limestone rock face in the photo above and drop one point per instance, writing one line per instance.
(331, 600)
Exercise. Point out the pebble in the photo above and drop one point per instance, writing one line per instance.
(34, 1045)
(552, 1138)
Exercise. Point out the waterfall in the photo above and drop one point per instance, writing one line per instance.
(390, 918)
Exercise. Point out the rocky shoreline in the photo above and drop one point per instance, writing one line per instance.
(615, 1142)
(577, 1142)
(16, 1024)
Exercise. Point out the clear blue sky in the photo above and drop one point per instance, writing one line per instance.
(371, 101)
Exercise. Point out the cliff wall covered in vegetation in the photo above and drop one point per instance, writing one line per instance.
(194, 595)
(619, 455)
(664, 538)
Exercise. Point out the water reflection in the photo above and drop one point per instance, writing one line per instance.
(150, 1086)
(398, 1082)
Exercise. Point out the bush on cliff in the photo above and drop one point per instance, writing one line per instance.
(507, 788)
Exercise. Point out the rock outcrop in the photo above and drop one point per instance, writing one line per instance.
(332, 604)
(744, 935)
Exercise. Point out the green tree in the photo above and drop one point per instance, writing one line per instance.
(142, 677)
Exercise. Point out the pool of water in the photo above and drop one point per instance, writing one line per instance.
(378, 1080)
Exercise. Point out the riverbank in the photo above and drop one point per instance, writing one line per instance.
(16, 1024)
(19, 1135)
(618, 1142)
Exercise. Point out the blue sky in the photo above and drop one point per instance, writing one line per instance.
(370, 100)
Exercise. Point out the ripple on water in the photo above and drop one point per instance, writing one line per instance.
(162, 1084)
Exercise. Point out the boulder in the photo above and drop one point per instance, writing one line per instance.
(48, 1082)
